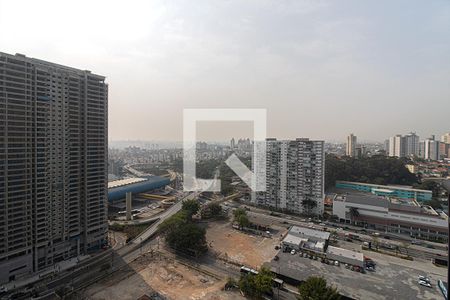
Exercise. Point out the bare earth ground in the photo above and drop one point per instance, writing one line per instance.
(240, 247)
(166, 276)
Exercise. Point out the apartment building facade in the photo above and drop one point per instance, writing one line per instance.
(53, 164)
(294, 176)
(351, 145)
(404, 146)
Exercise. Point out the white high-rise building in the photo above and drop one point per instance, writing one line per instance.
(351, 145)
(397, 146)
(294, 176)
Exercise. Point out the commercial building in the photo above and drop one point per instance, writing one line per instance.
(305, 238)
(399, 216)
(351, 145)
(345, 256)
(316, 242)
(398, 191)
(53, 164)
(294, 176)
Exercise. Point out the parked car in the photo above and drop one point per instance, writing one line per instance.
(370, 268)
(424, 278)
(336, 263)
(424, 283)
(293, 251)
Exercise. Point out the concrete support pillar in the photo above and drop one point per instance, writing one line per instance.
(128, 206)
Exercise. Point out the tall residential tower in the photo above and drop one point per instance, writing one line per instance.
(351, 145)
(294, 176)
(53, 164)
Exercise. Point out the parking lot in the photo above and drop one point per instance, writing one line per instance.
(394, 278)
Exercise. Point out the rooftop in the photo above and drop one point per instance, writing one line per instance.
(307, 232)
(345, 253)
(391, 203)
(123, 182)
(292, 239)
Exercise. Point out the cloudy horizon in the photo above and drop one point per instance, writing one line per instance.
(322, 69)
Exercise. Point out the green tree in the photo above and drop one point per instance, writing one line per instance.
(377, 169)
(172, 223)
(430, 185)
(191, 206)
(188, 237)
(255, 286)
(212, 209)
(239, 211)
(315, 288)
(240, 217)
(243, 221)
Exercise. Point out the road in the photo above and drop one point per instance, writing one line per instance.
(150, 231)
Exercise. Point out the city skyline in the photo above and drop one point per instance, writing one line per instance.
(308, 63)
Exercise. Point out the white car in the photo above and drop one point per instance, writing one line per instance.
(424, 283)
(424, 278)
(293, 252)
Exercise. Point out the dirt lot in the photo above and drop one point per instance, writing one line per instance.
(166, 276)
(240, 247)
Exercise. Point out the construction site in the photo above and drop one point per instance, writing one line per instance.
(158, 275)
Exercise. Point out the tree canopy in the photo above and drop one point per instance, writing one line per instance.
(377, 169)
(315, 288)
(240, 217)
(182, 234)
(190, 206)
(255, 286)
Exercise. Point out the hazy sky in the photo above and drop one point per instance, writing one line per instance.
(322, 69)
